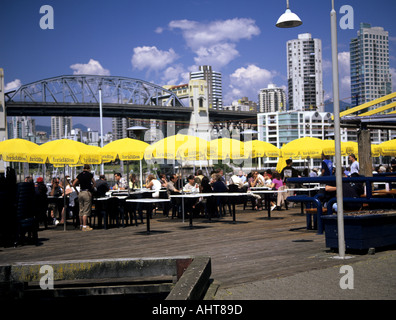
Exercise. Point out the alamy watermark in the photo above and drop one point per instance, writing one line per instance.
(47, 280)
(47, 20)
(347, 280)
(347, 20)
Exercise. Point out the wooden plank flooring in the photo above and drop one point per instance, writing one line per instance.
(255, 248)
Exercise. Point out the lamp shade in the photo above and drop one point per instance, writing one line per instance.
(288, 20)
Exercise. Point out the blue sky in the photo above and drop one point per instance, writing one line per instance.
(161, 41)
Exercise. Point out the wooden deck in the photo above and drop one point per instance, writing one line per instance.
(255, 248)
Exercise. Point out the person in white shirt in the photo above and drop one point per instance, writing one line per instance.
(354, 164)
(120, 182)
(153, 184)
(191, 186)
(237, 181)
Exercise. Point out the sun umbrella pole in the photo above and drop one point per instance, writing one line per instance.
(182, 188)
(64, 198)
(129, 190)
(141, 174)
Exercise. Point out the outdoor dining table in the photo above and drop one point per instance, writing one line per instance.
(148, 213)
(124, 195)
(212, 194)
(267, 194)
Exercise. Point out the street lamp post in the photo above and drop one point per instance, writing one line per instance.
(101, 126)
(290, 20)
(337, 138)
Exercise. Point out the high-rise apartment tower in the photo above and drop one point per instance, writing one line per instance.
(304, 74)
(272, 99)
(369, 57)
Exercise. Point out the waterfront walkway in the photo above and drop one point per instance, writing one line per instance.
(256, 258)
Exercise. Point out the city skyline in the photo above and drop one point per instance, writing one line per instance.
(163, 43)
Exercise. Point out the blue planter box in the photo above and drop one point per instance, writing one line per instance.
(362, 231)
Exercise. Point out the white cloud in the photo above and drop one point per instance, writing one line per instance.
(92, 67)
(152, 58)
(159, 30)
(175, 75)
(344, 61)
(199, 35)
(217, 55)
(12, 85)
(247, 82)
(345, 74)
(214, 43)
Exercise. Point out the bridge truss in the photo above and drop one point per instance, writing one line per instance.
(84, 89)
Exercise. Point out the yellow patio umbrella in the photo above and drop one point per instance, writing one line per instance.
(193, 149)
(226, 148)
(281, 164)
(16, 150)
(65, 152)
(165, 148)
(125, 149)
(303, 148)
(329, 148)
(259, 149)
(352, 147)
(388, 148)
(310, 147)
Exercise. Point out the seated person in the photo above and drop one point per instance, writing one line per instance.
(120, 182)
(209, 203)
(237, 182)
(163, 180)
(153, 184)
(217, 183)
(101, 186)
(171, 185)
(191, 186)
(257, 180)
(55, 206)
(349, 190)
(133, 182)
(172, 190)
(267, 181)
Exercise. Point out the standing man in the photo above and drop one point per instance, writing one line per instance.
(354, 164)
(289, 171)
(86, 182)
(327, 166)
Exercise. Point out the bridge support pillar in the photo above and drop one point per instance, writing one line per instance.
(3, 115)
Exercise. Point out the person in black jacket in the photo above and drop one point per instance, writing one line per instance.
(41, 191)
(349, 190)
(289, 171)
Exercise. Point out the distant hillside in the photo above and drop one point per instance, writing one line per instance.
(44, 128)
(329, 106)
(80, 126)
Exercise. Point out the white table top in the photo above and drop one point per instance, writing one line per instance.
(198, 195)
(148, 200)
(284, 190)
